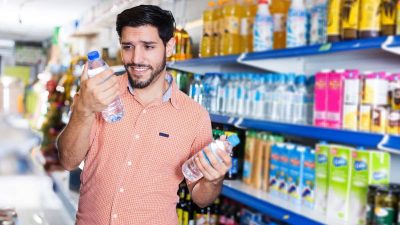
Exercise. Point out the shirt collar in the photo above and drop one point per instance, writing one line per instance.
(169, 95)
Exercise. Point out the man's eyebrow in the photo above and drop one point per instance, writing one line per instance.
(144, 42)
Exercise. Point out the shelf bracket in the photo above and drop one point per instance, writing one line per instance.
(279, 65)
(387, 48)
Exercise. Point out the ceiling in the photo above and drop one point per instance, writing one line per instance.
(34, 20)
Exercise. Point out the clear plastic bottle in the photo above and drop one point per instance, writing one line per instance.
(296, 25)
(196, 89)
(301, 101)
(115, 111)
(263, 31)
(267, 95)
(287, 99)
(257, 98)
(222, 94)
(190, 169)
(214, 87)
(277, 95)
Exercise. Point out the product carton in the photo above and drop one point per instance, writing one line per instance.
(321, 176)
(295, 173)
(308, 181)
(272, 139)
(321, 98)
(275, 168)
(283, 172)
(393, 124)
(340, 164)
(335, 99)
(369, 167)
(262, 147)
(250, 147)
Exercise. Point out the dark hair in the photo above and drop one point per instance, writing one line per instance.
(143, 15)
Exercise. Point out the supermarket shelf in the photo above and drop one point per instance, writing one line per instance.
(368, 140)
(271, 205)
(364, 54)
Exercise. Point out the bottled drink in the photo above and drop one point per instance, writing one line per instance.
(318, 22)
(115, 111)
(207, 40)
(246, 25)
(222, 94)
(334, 15)
(287, 99)
(242, 93)
(296, 25)
(370, 18)
(257, 98)
(217, 24)
(213, 91)
(263, 28)
(231, 35)
(233, 172)
(214, 215)
(181, 205)
(388, 17)
(267, 96)
(277, 92)
(190, 169)
(188, 211)
(196, 89)
(350, 19)
(301, 101)
(279, 10)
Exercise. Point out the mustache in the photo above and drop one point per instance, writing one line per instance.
(137, 65)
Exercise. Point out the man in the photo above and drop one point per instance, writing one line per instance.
(133, 166)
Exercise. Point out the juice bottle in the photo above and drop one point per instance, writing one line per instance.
(388, 17)
(398, 18)
(296, 25)
(249, 10)
(222, 25)
(217, 23)
(231, 35)
(334, 16)
(263, 28)
(207, 40)
(186, 45)
(350, 15)
(178, 44)
(370, 18)
(279, 10)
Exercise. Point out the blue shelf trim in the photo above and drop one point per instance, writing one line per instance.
(204, 61)
(362, 44)
(267, 208)
(368, 140)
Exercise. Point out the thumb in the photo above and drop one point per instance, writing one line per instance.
(84, 75)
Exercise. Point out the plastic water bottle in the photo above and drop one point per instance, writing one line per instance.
(257, 98)
(115, 111)
(296, 25)
(269, 84)
(263, 30)
(276, 98)
(241, 96)
(318, 22)
(287, 99)
(222, 94)
(190, 169)
(197, 89)
(300, 103)
(213, 93)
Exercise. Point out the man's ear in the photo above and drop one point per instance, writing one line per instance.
(170, 47)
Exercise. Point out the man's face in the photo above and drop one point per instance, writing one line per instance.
(144, 54)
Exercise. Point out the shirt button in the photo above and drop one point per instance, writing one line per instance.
(129, 163)
(137, 136)
(121, 190)
(144, 111)
(114, 216)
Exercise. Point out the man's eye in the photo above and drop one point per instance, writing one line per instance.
(127, 47)
(148, 47)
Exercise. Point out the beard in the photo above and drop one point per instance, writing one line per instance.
(155, 73)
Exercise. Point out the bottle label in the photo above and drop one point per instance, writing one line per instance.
(318, 25)
(279, 22)
(350, 14)
(208, 28)
(370, 15)
(95, 71)
(388, 14)
(296, 28)
(384, 215)
(232, 25)
(263, 33)
(334, 16)
(246, 26)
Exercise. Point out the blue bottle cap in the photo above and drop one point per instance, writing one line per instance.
(93, 55)
(233, 140)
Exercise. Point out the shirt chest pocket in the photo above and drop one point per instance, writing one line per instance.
(172, 148)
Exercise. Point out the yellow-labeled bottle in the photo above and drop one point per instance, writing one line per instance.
(279, 10)
(216, 27)
(186, 45)
(370, 18)
(388, 17)
(207, 41)
(249, 10)
(231, 35)
(334, 17)
(350, 16)
(398, 18)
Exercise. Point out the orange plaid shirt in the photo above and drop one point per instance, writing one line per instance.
(133, 167)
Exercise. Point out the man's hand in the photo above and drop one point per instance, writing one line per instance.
(97, 92)
(215, 172)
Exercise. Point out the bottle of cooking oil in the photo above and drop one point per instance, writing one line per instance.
(370, 18)
(186, 45)
(231, 35)
(249, 10)
(350, 16)
(207, 41)
(398, 18)
(222, 25)
(178, 41)
(334, 17)
(216, 26)
(279, 10)
(388, 17)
